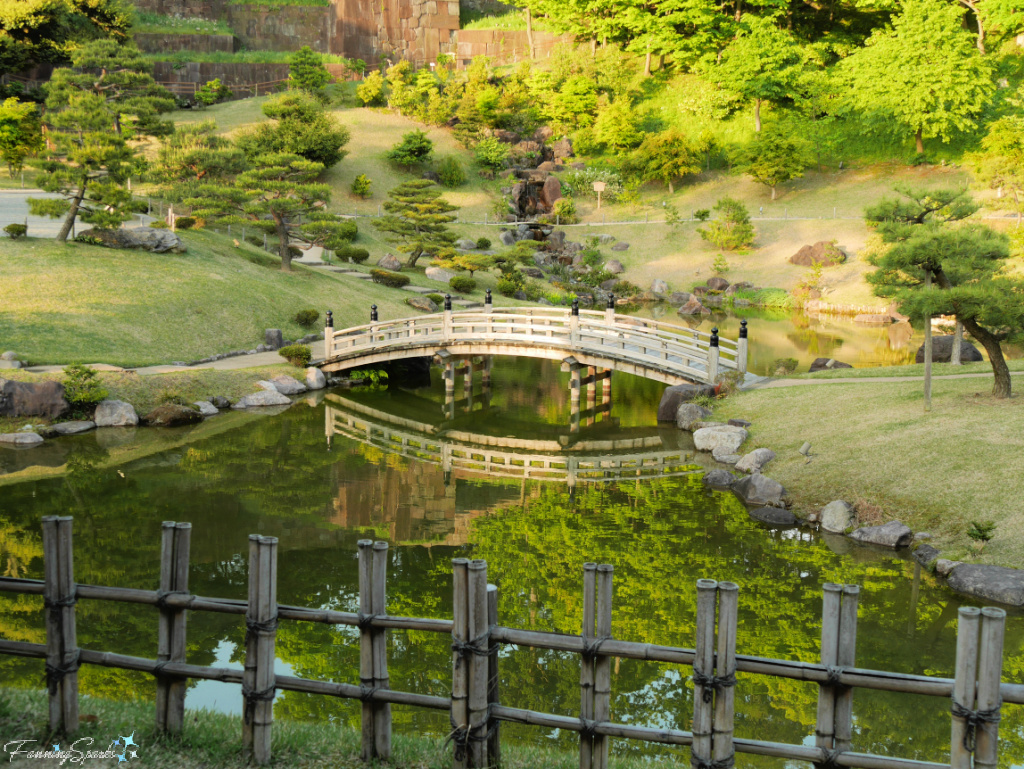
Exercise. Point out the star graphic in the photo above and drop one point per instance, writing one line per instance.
(56, 748)
(129, 740)
(117, 742)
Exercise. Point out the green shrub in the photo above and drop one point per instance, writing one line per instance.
(346, 232)
(462, 284)
(82, 389)
(450, 172)
(720, 266)
(184, 223)
(492, 154)
(733, 230)
(15, 231)
(511, 282)
(435, 298)
(361, 186)
(89, 240)
(307, 318)
(296, 354)
(390, 279)
(352, 253)
(483, 243)
(159, 224)
(371, 90)
(415, 148)
(702, 214)
(564, 212)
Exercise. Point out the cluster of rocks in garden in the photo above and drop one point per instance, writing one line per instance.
(46, 400)
(532, 189)
(768, 502)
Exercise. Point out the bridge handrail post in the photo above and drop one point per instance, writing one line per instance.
(741, 349)
(713, 352)
(373, 324)
(574, 323)
(329, 336)
(609, 311)
(446, 329)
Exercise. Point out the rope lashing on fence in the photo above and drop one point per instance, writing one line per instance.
(365, 621)
(163, 595)
(258, 695)
(717, 763)
(830, 758)
(712, 684)
(973, 719)
(55, 674)
(473, 646)
(592, 647)
(834, 676)
(255, 628)
(54, 605)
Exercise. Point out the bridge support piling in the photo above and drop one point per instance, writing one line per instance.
(591, 393)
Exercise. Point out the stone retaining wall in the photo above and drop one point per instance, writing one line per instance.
(152, 42)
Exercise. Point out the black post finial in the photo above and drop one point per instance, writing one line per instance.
(714, 337)
(743, 329)
(487, 299)
(575, 306)
(330, 319)
(373, 313)
(447, 302)
(611, 301)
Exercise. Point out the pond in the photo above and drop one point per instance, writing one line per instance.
(275, 474)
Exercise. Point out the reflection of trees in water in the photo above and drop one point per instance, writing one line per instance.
(275, 476)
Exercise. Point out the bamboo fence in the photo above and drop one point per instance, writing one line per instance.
(977, 693)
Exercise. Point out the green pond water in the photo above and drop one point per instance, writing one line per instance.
(276, 474)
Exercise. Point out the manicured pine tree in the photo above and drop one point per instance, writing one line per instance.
(194, 154)
(298, 125)
(306, 72)
(416, 219)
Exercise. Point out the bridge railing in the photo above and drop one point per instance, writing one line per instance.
(683, 351)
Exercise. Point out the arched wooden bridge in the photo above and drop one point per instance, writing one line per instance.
(648, 348)
(468, 454)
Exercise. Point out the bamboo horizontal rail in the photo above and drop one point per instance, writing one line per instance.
(649, 348)
(977, 692)
(537, 639)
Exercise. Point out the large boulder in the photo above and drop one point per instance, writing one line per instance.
(693, 307)
(438, 274)
(287, 385)
(21, 440)
(561, 149)
(659, 286)
(206, 409)
(315, 379)
(550, 192)
(507, 238)
(273, 338)
(73, 428)
(717, 284)
(688, 415)
(556, 240)
(32, 399)
(679, 298)
(892, 534)
(614, 266)
(990, 583)
(824, 252)
(676, 394)
(422, 303)
(755, 461)
(145, 238)
(172, 415)
(759, 490)
(824, 364)
(390, 262)
(925, 554)
(620, 246)
(773, 516)
(114, 413)
(718, 479)
(263, 398)
(721, 437)
(465, 244)
(942, 351)
(838, 516)
(725, 456)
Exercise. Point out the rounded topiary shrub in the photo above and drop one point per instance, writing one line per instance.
(435, 298)
(390, 279)
(16, 231)
(296, 354)
(483, 243)
(356, 255)
(307, 318)
(184, 223)
(462, 284)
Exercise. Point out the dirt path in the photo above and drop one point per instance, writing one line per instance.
(768, 384)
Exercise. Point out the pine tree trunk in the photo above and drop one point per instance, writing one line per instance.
(757, 115)
(920, 142)
(1001, 386)
(69, 220)
(414, 256)
(283, 248)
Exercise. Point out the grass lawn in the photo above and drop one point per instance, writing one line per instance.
(76, 303)
(936, 472)
(14, 183)
(213, 740)
(910, 370)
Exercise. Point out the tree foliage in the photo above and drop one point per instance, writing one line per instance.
(20, 133)
(663, 157)
(298, 125)
(48, 31)
(306, 71)
(732, 229)
(414, 149)
(966, 264)
(772, 159)
(194, 154)
(416, 219)
(1000, 163)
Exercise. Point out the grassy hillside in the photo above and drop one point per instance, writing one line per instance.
(825, 205)
(75, 303)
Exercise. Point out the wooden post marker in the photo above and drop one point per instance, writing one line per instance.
(170, 690)
(976, 699)
(59, 596)
(258, 684)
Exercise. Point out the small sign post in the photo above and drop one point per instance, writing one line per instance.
(599, 188)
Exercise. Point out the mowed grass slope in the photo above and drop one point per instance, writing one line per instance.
(76, 303)
(936, 471)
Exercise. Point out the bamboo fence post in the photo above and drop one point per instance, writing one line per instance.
(381, 680)
(366, 644)
(493, 681)
(480, 638)
(61, 639)
(960, 746)
(261, 622)
(825, 725)
(170, 691)
(460, 673)
(847, 658)
(52, 615)
(722, 746)
(603, 664)
(703, 669)
(69, 635)
(587, 662)
(990, 669)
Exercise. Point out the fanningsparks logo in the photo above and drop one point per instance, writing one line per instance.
(123, 749)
